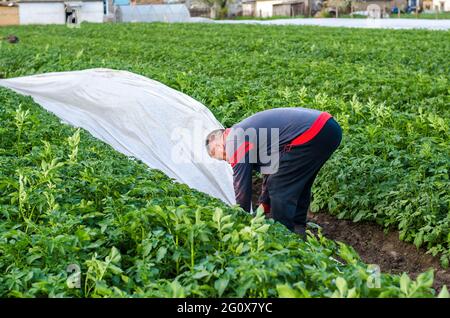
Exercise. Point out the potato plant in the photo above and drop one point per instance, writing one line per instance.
(134, 232)
(389, 89)
(67, 199)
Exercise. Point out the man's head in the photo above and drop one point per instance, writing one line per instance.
(215, 144)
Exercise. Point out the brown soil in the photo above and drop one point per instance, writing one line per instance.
(377, 247)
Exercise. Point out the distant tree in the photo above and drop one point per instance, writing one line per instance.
(221, 7)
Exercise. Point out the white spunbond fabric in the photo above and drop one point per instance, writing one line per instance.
(138, 117)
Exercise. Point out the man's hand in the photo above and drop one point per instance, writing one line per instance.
(266, 208)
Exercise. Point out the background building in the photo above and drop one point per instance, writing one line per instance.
(9, 13)
(441, 5)
(269, 8)
(51, 11)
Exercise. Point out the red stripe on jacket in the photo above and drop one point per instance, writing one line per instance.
(240, 153)
(312, 131)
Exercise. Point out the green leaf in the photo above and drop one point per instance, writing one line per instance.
(263, 228)
(444, 292)
(444, 260)
(147, 249)
(341, 285)
(114, 256)
(220, 285)
(102, 289)
(426, 279)
(32, 258)
(125, 278)
(418, 240)
(359, 216)
(352, 293)
(114, 269)
(240, 248)
(259, 210)
(217, 215)
(404, 283)
(162, 251)
(226, 237)
(176, 290)
(200, 274)
(286, 291)
(227, 226)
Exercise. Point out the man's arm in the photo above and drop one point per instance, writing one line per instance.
(242, 181)
(241, 155)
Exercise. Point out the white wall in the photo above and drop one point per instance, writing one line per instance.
(438, 4)
(91, 12)
(264, 8)
(248, 9)
(41, 13)
(53, 13)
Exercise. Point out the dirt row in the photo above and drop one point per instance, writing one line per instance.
(375, 246)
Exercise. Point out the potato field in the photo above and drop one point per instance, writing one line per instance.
(67, 198)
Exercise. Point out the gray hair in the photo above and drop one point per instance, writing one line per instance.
(213, 135)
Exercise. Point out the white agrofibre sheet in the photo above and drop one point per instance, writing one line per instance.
(138, 117)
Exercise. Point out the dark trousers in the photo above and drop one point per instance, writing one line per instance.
(289, 189)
